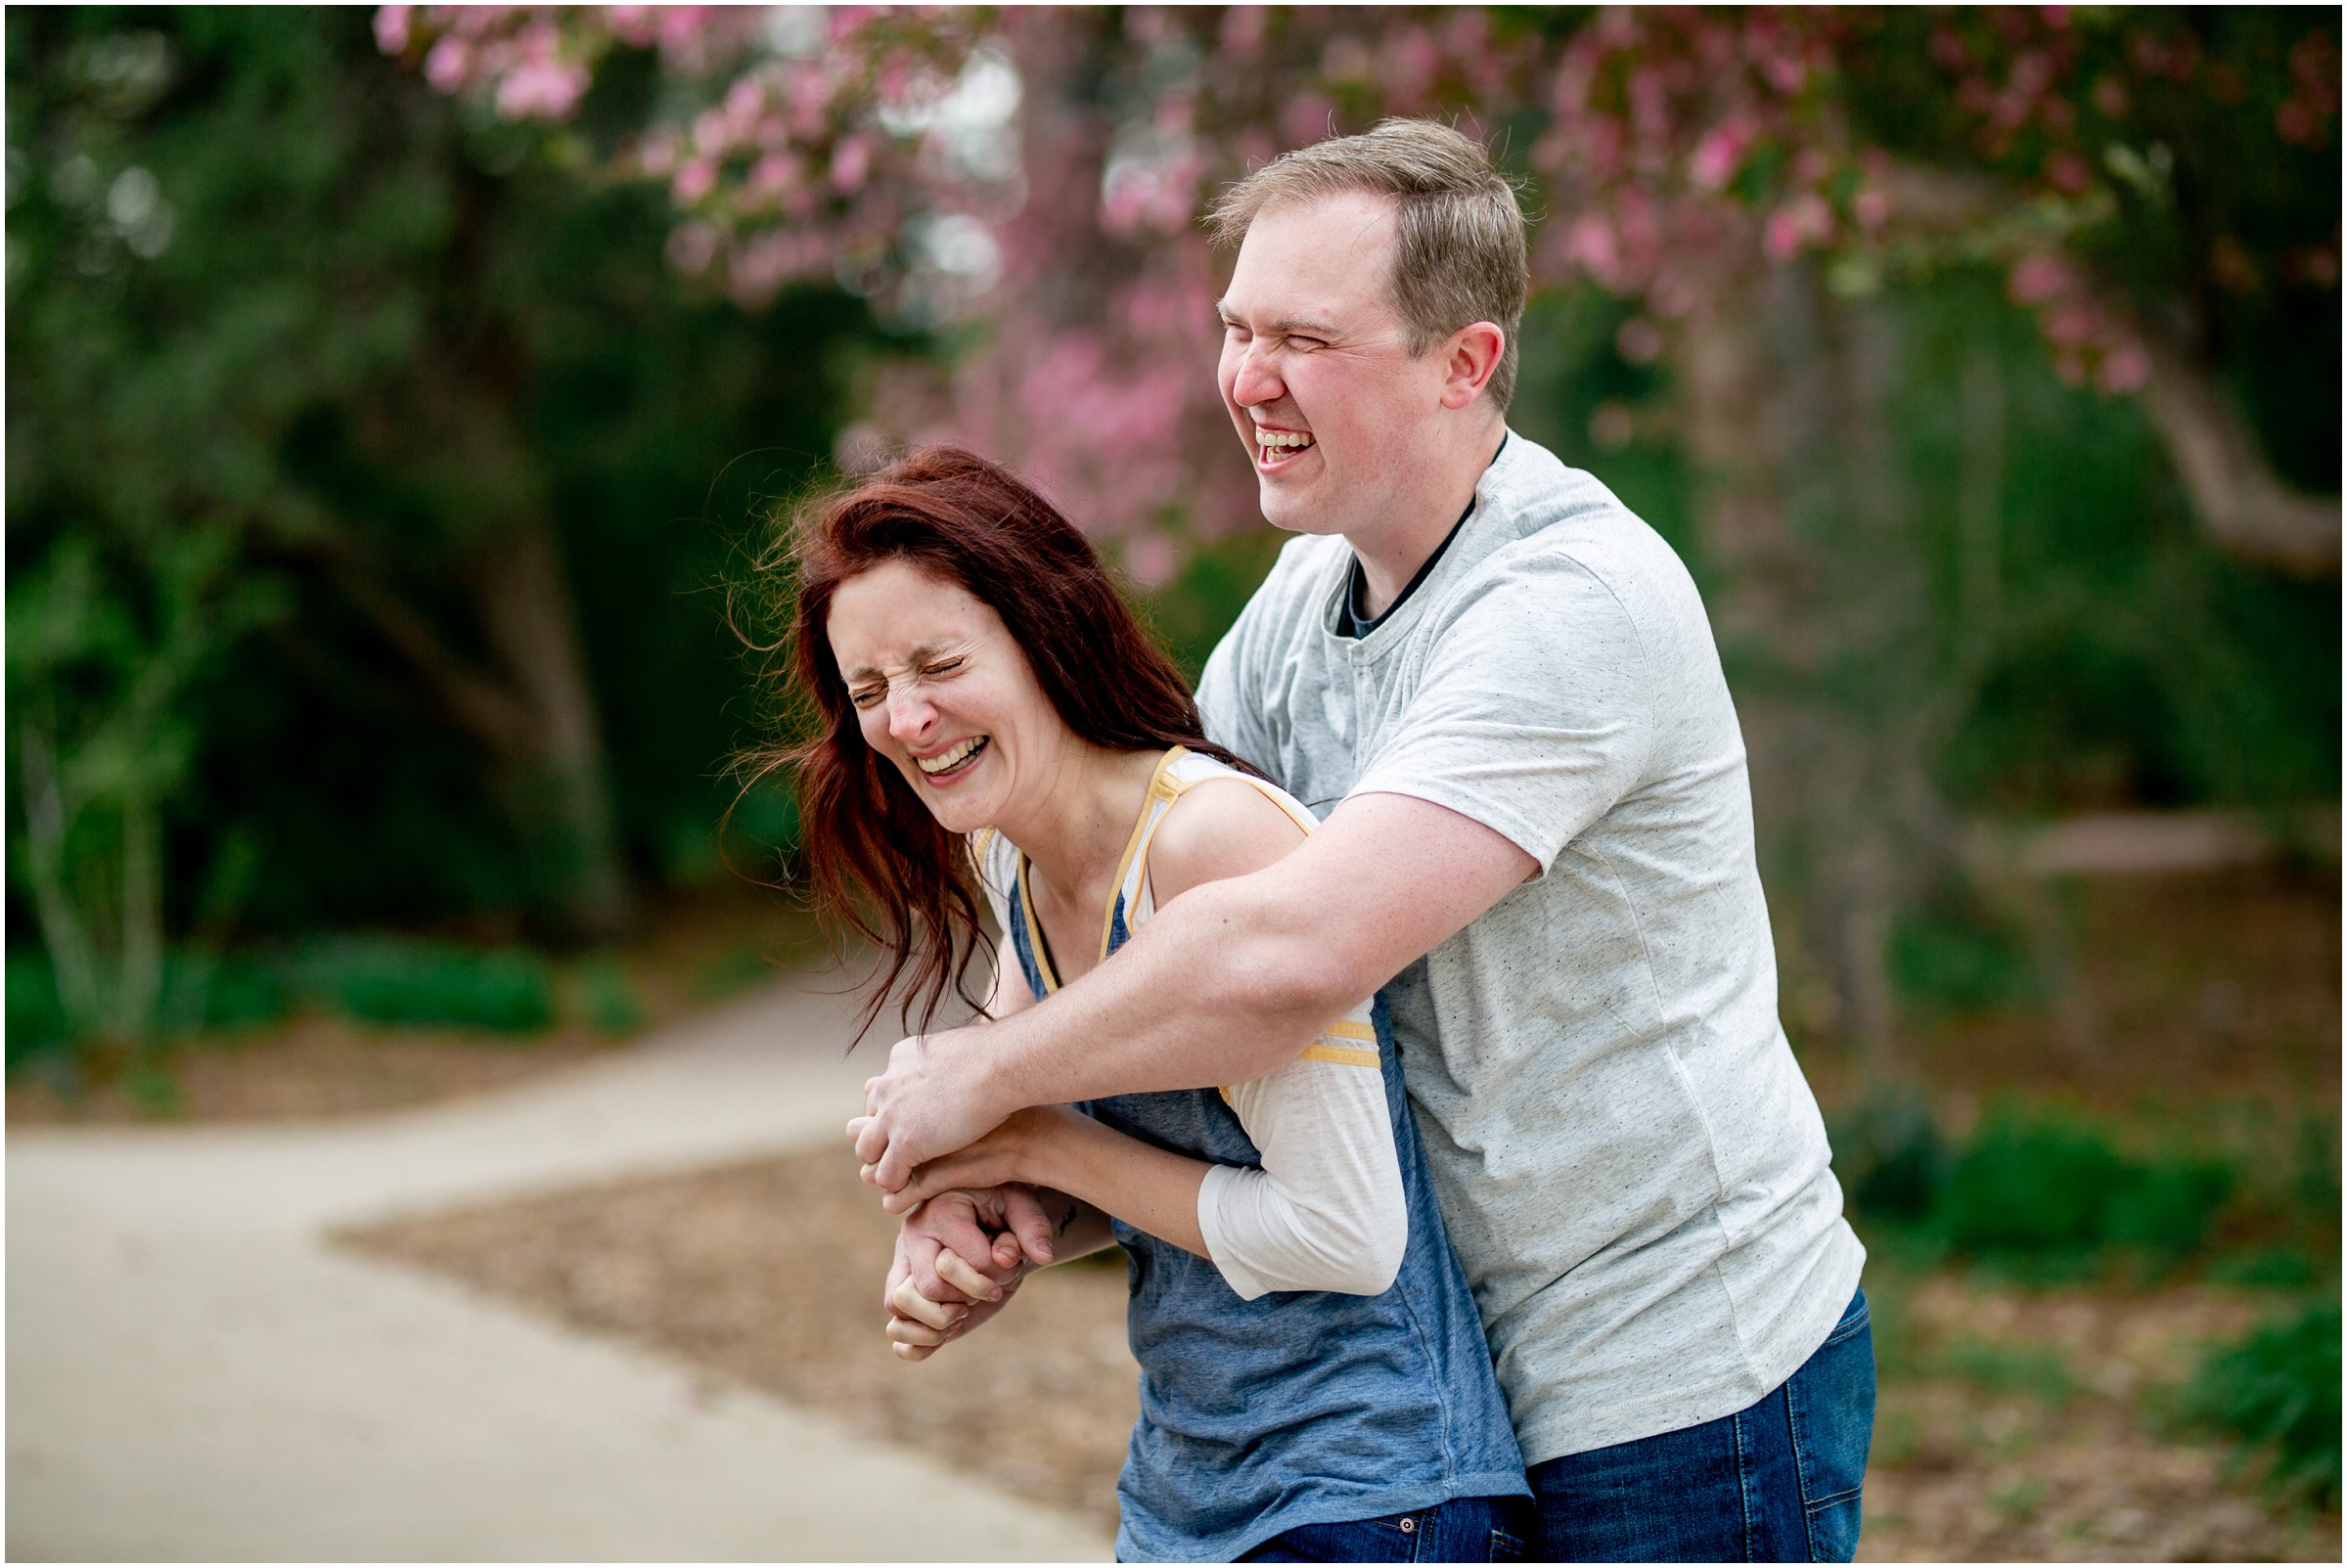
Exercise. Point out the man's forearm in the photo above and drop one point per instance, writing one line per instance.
(1213, 990)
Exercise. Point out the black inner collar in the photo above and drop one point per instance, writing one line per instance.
(1350, 622)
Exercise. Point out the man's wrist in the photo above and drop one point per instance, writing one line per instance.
(978, 1064)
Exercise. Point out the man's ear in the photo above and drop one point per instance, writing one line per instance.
(1468, 359)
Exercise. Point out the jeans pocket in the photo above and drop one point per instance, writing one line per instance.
(1506, 1547)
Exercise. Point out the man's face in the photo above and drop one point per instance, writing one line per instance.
(1317, 370)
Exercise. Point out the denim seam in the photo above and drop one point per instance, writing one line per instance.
(1801, 1466)
(1744, 1483)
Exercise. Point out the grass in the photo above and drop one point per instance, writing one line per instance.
(2277, 1391)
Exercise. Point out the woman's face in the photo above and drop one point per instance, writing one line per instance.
(941, 690)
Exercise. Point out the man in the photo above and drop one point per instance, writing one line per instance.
(1540, 846)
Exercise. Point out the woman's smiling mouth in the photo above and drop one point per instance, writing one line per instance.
(952, 762)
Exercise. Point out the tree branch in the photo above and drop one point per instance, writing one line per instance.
(2247, 507)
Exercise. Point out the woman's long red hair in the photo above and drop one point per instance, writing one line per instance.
(877, 863)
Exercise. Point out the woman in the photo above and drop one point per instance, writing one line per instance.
(1314, 1381)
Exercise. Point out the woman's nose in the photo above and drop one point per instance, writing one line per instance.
(909, 714)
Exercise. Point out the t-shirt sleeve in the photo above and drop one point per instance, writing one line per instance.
(1535, 710)
(1326, 1210)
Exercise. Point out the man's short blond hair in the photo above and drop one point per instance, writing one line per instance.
(1459, 253)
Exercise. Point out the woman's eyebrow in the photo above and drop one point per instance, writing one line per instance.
(918, 654)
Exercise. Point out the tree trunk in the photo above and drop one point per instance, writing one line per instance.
(557, 783)
(1820, 597)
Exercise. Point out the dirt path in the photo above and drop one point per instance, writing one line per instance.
(194, 1373)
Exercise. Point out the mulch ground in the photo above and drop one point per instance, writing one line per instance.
(2011, 1423)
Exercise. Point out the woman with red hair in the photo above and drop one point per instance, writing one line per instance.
(990, 721)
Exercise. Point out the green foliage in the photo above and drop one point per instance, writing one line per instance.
(393, 980)
(2277, 1391)
(2266, 1268)
(296, 348)
(1962, 962)
(2038, 1182)
(2048, 1195)
(36, 1020)
(606, 997)
(1889, 1155)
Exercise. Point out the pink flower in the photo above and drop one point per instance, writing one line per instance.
(1639, 342)
(392, 26)
(1151, 560)
(1803, 221)
(2036, 279)
(541, 91)
(2068, 173)
(1871, 207)
(2125, 369)
(693, 182)
(852, 161)
(445, 63)
(2069, 324)
(1717, 156)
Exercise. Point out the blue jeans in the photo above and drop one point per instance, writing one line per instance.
(1777, 1482)
(1462, 1530)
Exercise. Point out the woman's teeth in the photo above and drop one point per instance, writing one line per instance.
(946, 761)
(1276, 446)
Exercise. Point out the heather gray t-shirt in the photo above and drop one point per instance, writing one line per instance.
(1631, 1165)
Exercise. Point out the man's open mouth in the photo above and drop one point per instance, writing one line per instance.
(952, 761)
(1275, 447)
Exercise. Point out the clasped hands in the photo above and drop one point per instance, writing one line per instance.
(972, 1229)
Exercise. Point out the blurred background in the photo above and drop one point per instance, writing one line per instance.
(400, 401)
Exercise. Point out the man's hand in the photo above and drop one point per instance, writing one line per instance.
(930, 1102)
(1017, 1150)
(959, 1258)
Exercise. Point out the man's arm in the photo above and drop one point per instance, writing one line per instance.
(1226, 983)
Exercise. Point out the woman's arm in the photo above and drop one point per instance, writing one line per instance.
(1324, 1212)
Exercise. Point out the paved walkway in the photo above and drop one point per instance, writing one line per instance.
(194, 1376)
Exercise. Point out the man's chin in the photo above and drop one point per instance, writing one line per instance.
(1291, 513)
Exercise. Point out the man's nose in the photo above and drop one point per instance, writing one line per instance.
(1256, 380)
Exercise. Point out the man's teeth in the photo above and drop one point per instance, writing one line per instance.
(1277, 440)
(950, 759)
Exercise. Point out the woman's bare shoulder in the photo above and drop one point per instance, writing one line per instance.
(1220, 827)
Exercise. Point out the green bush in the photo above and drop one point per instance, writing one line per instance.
(2038, 1180)
(2266, 1268)
(606, 997)
(37, 1021)
(227, 993)
(1889, 1155)
(1956, 959)
(2278, 1392)
(433, 985)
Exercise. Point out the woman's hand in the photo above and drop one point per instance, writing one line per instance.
(959, 1257)
(1020, 1150)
